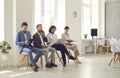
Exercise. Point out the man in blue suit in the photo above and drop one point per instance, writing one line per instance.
(23, 40)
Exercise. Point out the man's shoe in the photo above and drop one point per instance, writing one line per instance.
(37, 66)
(64, 65)
(34, 68)
(48, 65)
(54, 65)
(31, 65)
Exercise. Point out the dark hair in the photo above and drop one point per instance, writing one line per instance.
(24, 24)
(66, 27)
(52, 26)
(38, 25)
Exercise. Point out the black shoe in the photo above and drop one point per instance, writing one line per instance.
(72, 58)
(48, 65)
(37, 66)
(64, 65)
(34, 68)
(31, 65)
(53, 65)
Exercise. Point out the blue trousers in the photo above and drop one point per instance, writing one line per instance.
(30, 50)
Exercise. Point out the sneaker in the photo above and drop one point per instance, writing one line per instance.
(53, 65)
(77, 61)
(72, 58)
(48, 65)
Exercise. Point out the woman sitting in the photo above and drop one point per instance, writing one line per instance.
(53, 42)
(68, 43)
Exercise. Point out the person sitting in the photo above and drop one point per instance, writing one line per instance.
(68, 43)
(23, 40)
(53, 42)
(39, 40)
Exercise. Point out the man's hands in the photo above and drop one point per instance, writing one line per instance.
(45, 46)
(27, 42)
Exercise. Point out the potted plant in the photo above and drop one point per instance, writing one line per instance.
(5, 47)
(85, 36)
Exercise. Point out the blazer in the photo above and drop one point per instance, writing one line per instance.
(37, 40)
(20, 39)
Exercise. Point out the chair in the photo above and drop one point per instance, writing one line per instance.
(115, 45)
(26, 57)
(60, 60)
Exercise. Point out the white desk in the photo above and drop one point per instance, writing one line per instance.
(90, 45)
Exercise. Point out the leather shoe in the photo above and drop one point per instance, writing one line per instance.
(54, 65)
(48, 65)
(34, 68)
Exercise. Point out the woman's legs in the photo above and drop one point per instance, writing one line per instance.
(61, 49)
(64, 51)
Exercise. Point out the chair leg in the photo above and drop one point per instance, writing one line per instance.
(20, 64)
(59, 57)
(41, 61)
(110, 61)
(28, 62)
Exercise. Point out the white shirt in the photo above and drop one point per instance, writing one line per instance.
(65, 36)
(41, 38)
(52, 38)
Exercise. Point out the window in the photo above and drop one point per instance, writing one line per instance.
(89, 16)
(48, 14)
(38, 18)
(44, 13)
(1, 20)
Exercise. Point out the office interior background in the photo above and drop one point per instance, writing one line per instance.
(80, 15)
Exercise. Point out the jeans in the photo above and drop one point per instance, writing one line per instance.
(30, 50)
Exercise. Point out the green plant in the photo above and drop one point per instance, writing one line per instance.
(5, 46)
(85, 35)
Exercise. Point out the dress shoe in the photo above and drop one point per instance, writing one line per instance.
(31, 65)
(48, 65)
(37, 66)
(53, 65)
(64, 65)
(34, 68)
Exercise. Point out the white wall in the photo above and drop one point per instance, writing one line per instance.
(72, 22)
(16, 12)
(24, 13)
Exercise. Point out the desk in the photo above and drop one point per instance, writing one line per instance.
(91, 45)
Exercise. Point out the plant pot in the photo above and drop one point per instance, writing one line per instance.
(85, 37)
(4, 51)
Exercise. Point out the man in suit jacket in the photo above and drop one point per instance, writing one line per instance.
(23, 40)
(39, 40)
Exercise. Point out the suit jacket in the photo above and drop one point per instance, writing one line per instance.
(37, 40)
(20, 39)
